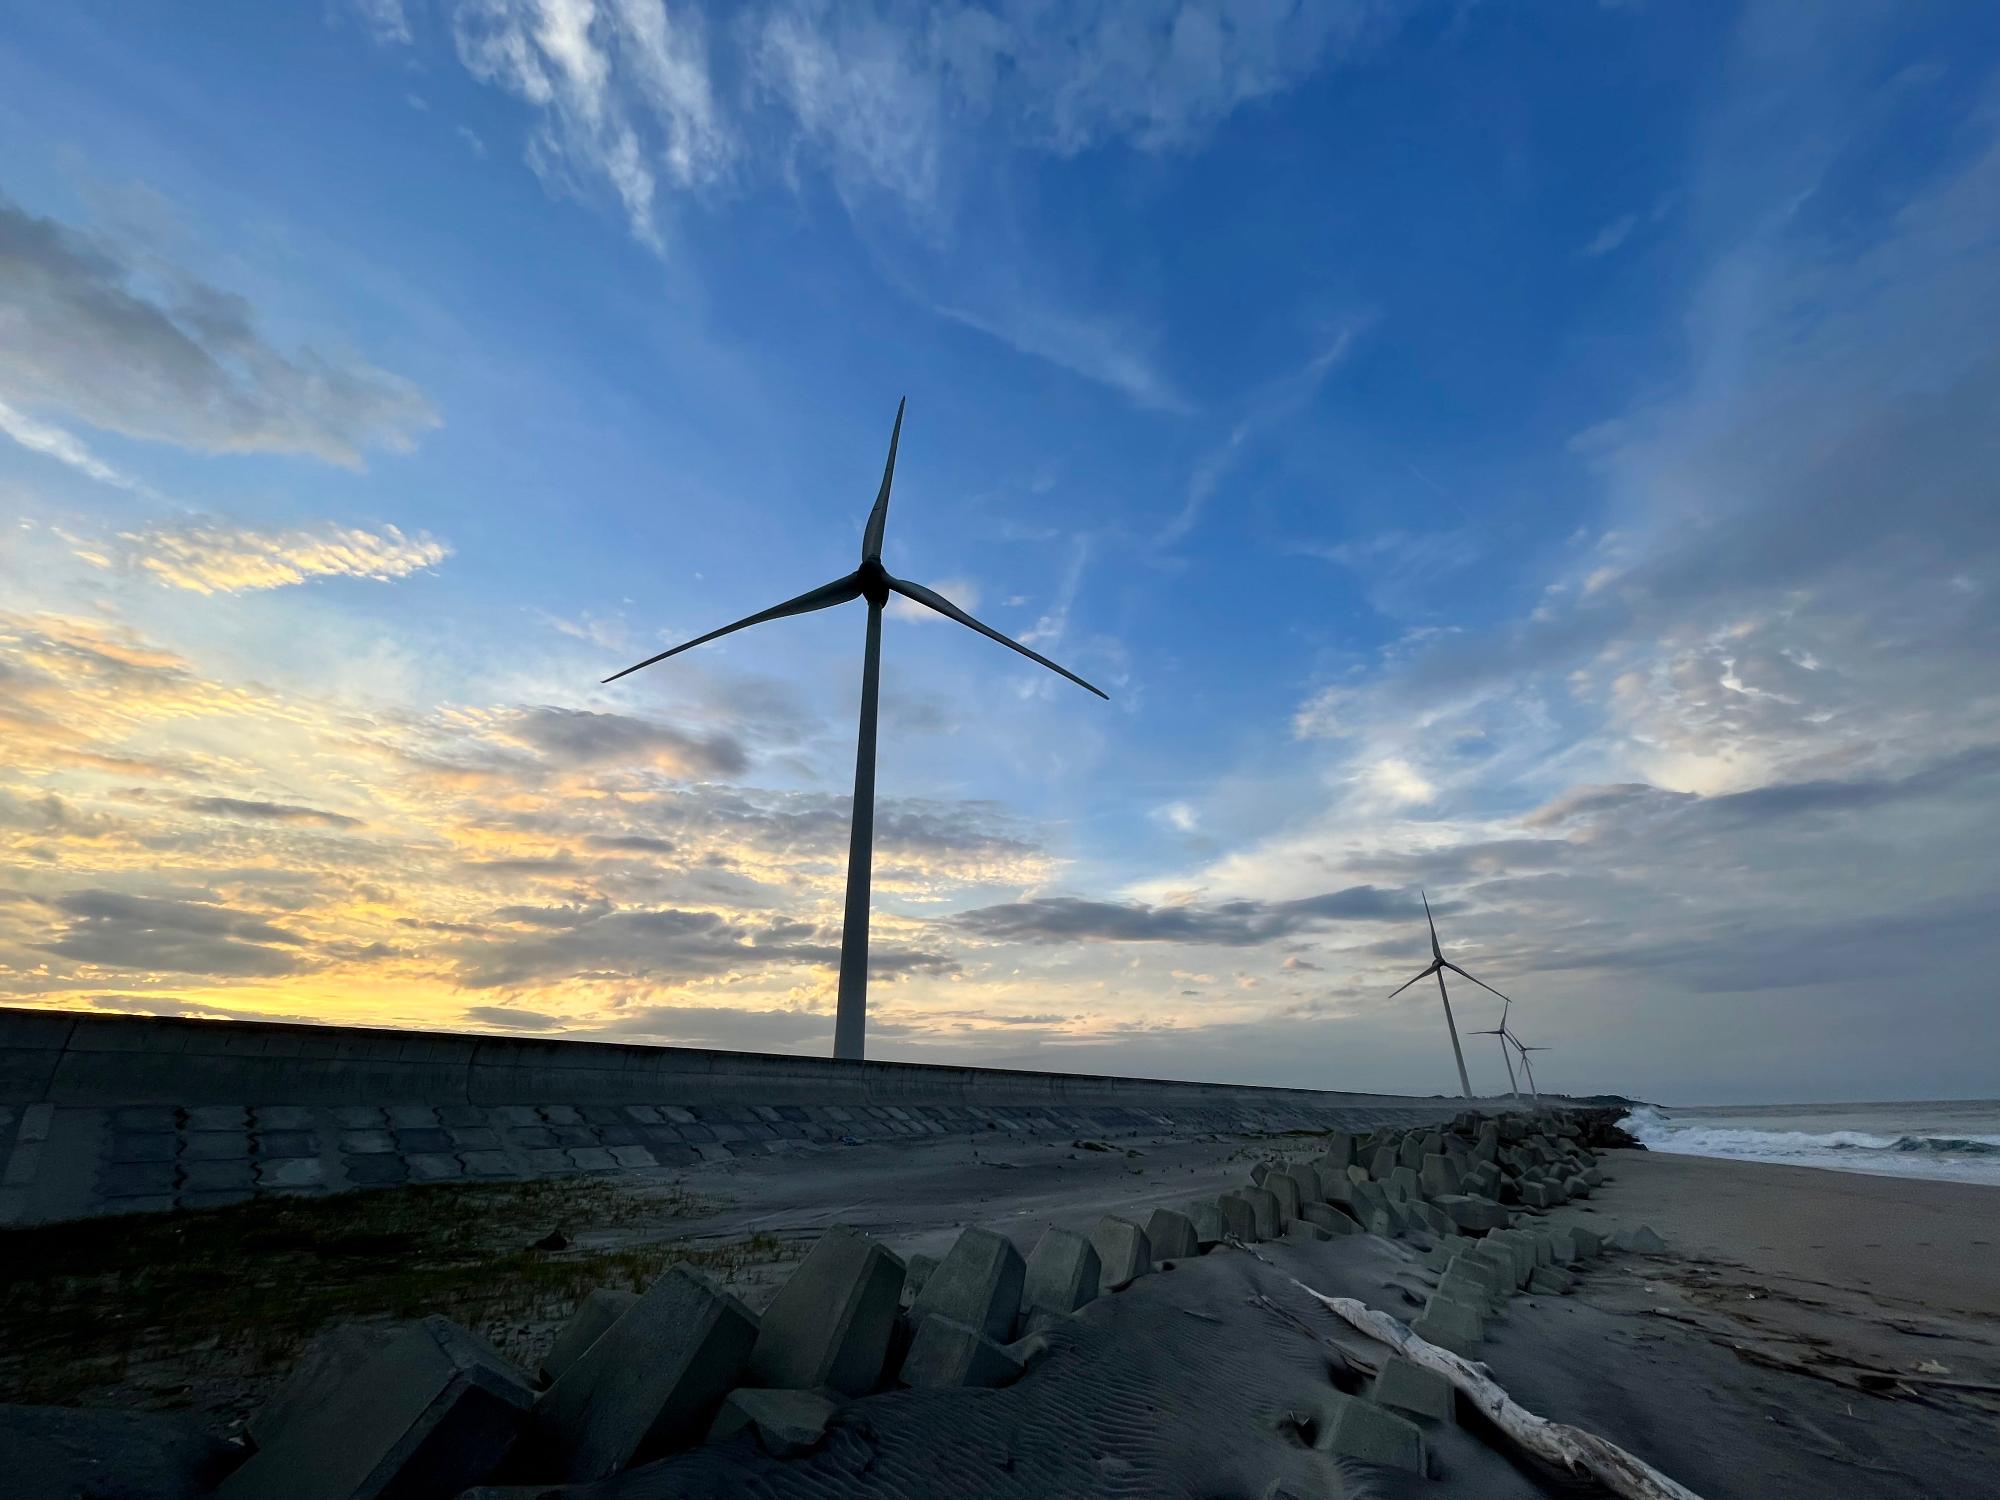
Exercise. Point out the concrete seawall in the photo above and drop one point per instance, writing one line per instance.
(108, 1114)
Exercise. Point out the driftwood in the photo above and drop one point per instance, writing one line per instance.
(1570, 1447)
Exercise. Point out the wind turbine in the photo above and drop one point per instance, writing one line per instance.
(1438, 964)
(873, 582)
(1506, 1036)
(1533, 1092)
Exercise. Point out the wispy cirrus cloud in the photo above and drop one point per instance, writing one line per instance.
(63, 446)
(217, 558)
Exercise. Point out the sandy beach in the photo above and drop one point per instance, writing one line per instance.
(1808, 1334)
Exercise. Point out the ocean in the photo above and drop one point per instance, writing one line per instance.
(1957, 1140)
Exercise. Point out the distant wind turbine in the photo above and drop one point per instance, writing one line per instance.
(1533, 1092)
(1506, 1036)
(1438, 964)
(873, 582)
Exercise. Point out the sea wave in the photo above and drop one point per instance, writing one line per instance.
(1857, 1150)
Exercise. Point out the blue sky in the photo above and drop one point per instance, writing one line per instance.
(1538, 454)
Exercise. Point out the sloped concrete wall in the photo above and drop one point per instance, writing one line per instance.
(96, 1060)
(118, 1114)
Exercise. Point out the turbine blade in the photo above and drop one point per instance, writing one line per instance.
(1408, 982)
(824, 597)
(1474, 978)
(1436, 952)
(938, 602)
(878, 518)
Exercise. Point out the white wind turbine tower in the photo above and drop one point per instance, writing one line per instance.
(1533, 1093)
(1438, 964)
(873, 582)
(1506, 1036)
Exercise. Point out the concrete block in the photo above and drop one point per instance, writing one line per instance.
(946, 1352)
(916, 1271)
(1433, 1218)
(430, 1413)
(1536, 1195)
(651, 1382)
(978, 1283)
(1575, 1186)
(1382, 1163)
(1410, 1152)
(1469, 1211)
(1483, 1282)
(1508, 1261)
(1361, 1430)
(1282, 1187)
(1332, 1220)
(1339, 1151)
(784, 1422)
(1589, 1243)
(829, 1324)
(328, 1362)
(1239, 1218)
(1259, 1171)
(1643, 1240)
(1438, 1176)
(1264, 1205)
(1549, 1282)
(1414, 1390)
(1063, 1272)
(1123, 1251)
(1210, 1228)
(597, 1312)
(1171, 1235)
(1487, 1147)
(1404, 1185)
(1451, 1324)
(1303, 1230)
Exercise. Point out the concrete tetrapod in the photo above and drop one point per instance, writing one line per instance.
(1450, 1324)
(784, 1422)
(328, 1362)
(586, 1325)
(829, 1325)
(1411, 1388)
(1264, 1204)
(1238, 1217)
(1326, 1216)
(1063, 1272)
(1123, 1251)
(1360, 1429)
(978, 1283)
(1210, 1228)
(1282, 1186)
(1171, 1235)
(946, 1352)
(430, 1413)
(651, 1383)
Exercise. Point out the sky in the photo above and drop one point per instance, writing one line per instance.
(1543, 456)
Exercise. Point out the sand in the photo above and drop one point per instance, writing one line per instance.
(1764, 1357)
(1760, 1358)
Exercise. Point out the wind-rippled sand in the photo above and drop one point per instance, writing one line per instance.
(1759, 1359)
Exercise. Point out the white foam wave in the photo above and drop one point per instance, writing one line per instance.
(1971, 1157)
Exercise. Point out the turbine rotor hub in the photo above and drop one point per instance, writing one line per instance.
(874, 581)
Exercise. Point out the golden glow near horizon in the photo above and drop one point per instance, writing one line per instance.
(184, 842)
